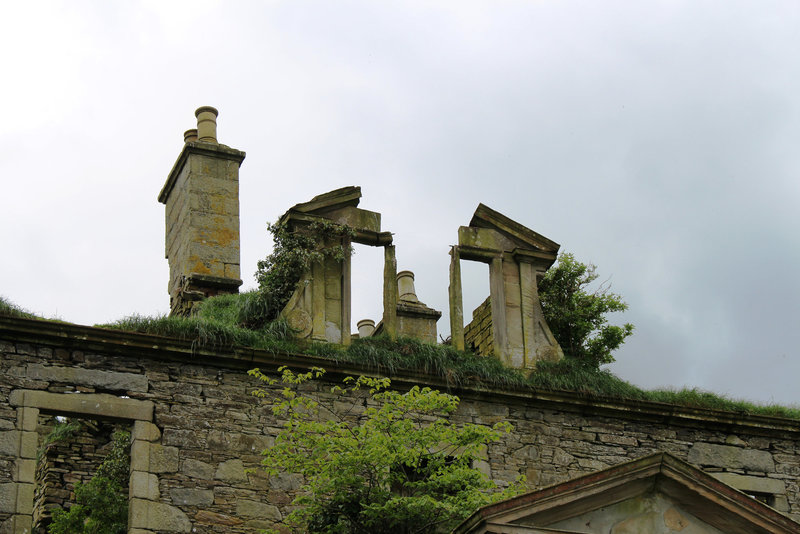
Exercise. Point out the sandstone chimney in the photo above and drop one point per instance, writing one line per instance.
(202, 217)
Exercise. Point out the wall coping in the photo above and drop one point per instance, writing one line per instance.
(155, 347)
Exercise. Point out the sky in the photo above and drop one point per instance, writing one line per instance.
(655, 139)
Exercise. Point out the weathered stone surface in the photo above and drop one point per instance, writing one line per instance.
(192, 497)
(231, 471)
(98, 404)
(163, 459)
(213, 518)
(145, 431)
(708, 454)
(751, 484)
(157, 516)
(25, 470)
(197, 469)
(88, 377)
(256, 509)
(8, 497)
(144, 485)
(9, 442)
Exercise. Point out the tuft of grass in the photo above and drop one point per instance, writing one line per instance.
(455, 367)
(275, 336)
(569, 375)
(10, 309)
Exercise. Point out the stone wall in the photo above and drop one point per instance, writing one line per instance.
(478, 333)
(198, 432)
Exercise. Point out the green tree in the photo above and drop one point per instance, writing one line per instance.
(577, 316)
(101, 504)
(398, 466)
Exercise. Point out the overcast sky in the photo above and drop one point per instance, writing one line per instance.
(656, 139)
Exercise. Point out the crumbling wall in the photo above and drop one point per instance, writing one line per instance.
(478, 333)
(201, 454)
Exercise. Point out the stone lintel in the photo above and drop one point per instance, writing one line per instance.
(86, 404)
(200, 149)
(751, 484)
(536, 257)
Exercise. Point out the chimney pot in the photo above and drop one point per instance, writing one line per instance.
(405, 286)
(190, 135)
(207, 124)
(365, 327)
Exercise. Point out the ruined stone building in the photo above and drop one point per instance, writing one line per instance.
(592, 465)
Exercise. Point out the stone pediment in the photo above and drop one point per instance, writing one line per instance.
(522, 236)
(657, 494)
(330, 201)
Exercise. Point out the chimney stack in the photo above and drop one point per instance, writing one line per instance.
(201, 196)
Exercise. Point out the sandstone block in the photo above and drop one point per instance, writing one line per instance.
(88, 377)
(231, 471)
(9, 442)
(143, 485)
(140, 456)
(27, 419)
(752, 484)
(157, 516)
(163, 459)
(256, 509)
(145, 431)
(25, 470)
(8, 497)
(197, 469)
(192, 497)
(705, 454)
(25, 498)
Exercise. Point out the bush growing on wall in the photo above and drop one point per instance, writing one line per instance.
(400, 467)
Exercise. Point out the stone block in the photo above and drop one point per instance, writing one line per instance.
(28, 444)
(8, 497)
(157, 516)
(197, 469)
(143, 486)
(9, 442)
(88, 377)
(163, 459)
(751, 484)
(231, 471)
(21, 524)
(192, 497)
(256, 509)
(27, 418)
(140, 456)
(99, 404)
(145, 431)
(706, 454)
(25, 498)
(25, 470)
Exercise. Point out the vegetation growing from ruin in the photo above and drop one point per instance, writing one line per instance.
(102, 503)
(398, 466)
(577, 316)
(10, 309)
(294, 252)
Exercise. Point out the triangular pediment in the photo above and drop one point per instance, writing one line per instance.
(332, 200)
(657, 489)
(522, 236)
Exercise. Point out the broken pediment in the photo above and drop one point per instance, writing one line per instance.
(491, 231)
(655, 494)
(516, 332)
(341, 207)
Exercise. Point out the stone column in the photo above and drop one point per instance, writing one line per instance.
(390, 292)
(456, 301)
(497, 292)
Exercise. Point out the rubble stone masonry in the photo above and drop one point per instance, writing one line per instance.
(198, 432)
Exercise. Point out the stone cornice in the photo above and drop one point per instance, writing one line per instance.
(116, 342)
(204, 149)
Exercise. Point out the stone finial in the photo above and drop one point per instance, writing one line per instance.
(365, 327)
(207, 124)
(190, 135)
(405, 286)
